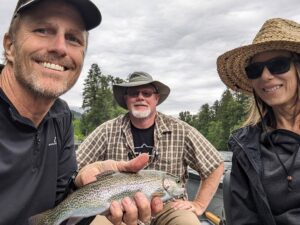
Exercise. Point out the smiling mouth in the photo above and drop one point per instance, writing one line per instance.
(53, 66)
(272, 89)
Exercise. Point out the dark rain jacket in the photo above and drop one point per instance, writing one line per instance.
(249, 203)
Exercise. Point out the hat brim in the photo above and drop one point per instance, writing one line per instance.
(231, 65)
(119, 91)
(88, 10)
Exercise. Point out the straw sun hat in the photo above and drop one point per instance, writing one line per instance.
(275, 34)
(138, 79)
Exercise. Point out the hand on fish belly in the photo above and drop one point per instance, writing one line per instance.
(128, 210)
(122, 197)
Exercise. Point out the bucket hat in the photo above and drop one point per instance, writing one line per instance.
(88, 10)
(138, 79)
(275, 34)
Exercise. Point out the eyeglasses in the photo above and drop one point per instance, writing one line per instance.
(276, 66)
(136, 93)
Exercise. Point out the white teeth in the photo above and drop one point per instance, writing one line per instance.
(271, 89)
(52, 66)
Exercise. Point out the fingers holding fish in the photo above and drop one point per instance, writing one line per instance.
(135, 164)
(130, 211)
(156, 205)
(116, 213)
(143, 206)
(130, 215)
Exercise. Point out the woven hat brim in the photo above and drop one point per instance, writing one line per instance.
(119, 91)
(231, 65)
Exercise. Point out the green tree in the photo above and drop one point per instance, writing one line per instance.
(91, 85)
(216, 122)
(186, 116)
(203, 119)
(78, 135)
(98, 101)
(215, 134)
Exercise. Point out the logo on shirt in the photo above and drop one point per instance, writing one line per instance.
(53, 143)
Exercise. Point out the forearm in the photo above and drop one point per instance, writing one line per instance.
(207, 189)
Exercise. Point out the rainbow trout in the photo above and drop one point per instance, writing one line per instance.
(95, 198)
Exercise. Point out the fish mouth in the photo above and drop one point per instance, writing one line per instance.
(173, 189)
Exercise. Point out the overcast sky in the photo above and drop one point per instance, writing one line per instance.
(176, 41)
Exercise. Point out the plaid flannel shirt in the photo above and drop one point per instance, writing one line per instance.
(178, 144)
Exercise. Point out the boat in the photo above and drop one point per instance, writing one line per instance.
(215, 214)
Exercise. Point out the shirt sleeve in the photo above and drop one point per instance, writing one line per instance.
(200, 154)
(92, 147)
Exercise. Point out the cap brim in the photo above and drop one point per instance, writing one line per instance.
(88, 10)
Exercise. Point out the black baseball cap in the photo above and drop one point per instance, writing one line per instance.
(90, 13)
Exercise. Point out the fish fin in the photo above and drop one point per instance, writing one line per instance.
(74, 220)
(105, 174)
(37, 219)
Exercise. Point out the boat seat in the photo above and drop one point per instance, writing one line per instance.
(226, 196)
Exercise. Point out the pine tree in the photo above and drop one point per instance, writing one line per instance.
(91, 85)
(98, 101)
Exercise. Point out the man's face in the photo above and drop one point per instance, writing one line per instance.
(48, 49)
(141, 101)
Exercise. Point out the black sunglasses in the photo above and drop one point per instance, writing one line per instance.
(276, 66)
(136, 93)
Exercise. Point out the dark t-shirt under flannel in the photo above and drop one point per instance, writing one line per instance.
(178, 144)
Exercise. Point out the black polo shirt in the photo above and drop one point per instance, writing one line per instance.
(35, 163)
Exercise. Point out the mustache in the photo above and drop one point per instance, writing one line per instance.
(140, 103)
(55, 59)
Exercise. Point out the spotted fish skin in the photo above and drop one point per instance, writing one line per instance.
(95, 198)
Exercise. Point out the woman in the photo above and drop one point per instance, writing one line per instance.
(265, 175)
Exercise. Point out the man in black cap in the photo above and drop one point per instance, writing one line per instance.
(44, 51)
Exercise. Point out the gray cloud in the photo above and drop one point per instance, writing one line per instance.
(177, 41)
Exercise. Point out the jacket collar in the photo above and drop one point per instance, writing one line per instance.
(248, 138)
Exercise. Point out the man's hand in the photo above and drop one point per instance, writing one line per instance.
(129, 210)
(188, 205)
(132, 210)
(89, 172)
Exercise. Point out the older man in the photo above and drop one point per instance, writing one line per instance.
(44, 52)
(171, 144)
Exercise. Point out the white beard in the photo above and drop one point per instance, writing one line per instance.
(141, 114)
